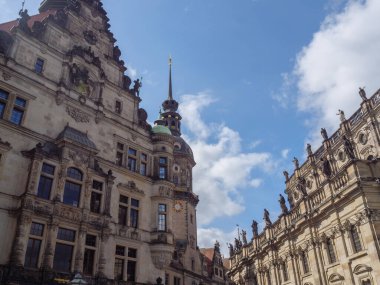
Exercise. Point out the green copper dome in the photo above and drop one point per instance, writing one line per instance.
(158, 129)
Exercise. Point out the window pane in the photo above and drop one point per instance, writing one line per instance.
(120, 146)
(90, 240)
(96, 199)
(74, 173)
(143, 169)
(131, 270)
(62, 257)
(119, 158)
(134, 202)
(88, 261)
(119, 269)
(162, 208)
(20, 102)
(39, 65)
(123, 199)
(2, 109)
(132, 252)
(71, 194)
(163, 160)
(132, 151)
(66, 234)
(44, 187)
(120, 250)
(162, 222)
(134, 218)
(4, 95)
(16, 116)
(32, 253)
(123, 215)
(48, 169)
(144, 157)
(97, 185)
(131, 164)
(37, 229)
(162, 172)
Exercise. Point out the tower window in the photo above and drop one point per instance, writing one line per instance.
(163, 168)
(118, 107)
(162, 208)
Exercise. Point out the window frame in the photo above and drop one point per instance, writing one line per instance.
(42, 67)
(48, 176)
(35, 237)
(356, 242)
(90, 248)
(66, 243)
(74, 181)
(10, 104)
(305, 263)
(97, 192)
(130, 209)
(330, 250)
(163, 166)
(164, 214)
(120, 110)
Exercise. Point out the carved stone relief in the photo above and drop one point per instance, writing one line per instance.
(77, 114)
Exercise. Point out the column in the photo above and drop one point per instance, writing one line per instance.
(48, 258)
(21, 239)
(79, 254)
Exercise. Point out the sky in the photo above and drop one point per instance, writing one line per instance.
(256, 80)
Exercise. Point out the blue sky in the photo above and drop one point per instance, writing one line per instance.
(256, 79)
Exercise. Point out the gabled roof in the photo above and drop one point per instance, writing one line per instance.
(7, 27)
(73, 135)
(208, 252)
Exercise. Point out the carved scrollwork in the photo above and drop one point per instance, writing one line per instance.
(90, 37)
(77, 114)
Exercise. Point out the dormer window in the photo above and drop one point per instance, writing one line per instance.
(73, 187)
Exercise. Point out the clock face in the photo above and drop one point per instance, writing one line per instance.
(178, 206)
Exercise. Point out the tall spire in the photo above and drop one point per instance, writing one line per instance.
(170, 95)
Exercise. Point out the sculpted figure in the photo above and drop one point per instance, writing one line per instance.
(296, 163)
(244, 237)
(362, 94)
(308, 149)
(255, 231)
(341, 115)
(267, 220)
(231, 249)
(301, 185)
(286, 174)
(324, 134)
(326, 168)
(348, 148)
(237, 245)
(136, 87)
(283, 206)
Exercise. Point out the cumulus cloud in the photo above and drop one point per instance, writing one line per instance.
(208, 236)
(223, 168)
(342, 56)
(285, 153)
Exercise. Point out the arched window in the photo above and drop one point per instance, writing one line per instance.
(355, 239)
(285, 271)
(73, 187)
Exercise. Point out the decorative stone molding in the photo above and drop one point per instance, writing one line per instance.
(77, 114)
(79, 158)
(131, 187)
(335, 277)
(361, 268)
(165, 191)
(4, 146)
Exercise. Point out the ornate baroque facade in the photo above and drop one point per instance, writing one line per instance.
(330, 233)
(86, 184)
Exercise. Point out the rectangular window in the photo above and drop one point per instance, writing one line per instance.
(305, 263)
(163, 168)
(88, 261)
(330, 251)
(119, 158)
(143, 164)
(39, 66)
(355, 239)
(37, 229)
(166, 279)
(91, 240)
(18, 111)
(4, 96)
(132, 159)
(123, 213)
(119, 269)
(117, 107)
(177, 280)
(32, 253)
(46, 181)
(162, 217)
(120, 250)
(123, 199)
(134, 218)
(131, 270)
(62, 257)
(96, 199)
(97, 185)
(66, 234)
(71, 194)
(132, 252)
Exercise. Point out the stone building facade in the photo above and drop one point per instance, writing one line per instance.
(329, 234)
(86, 184)
(213, 266)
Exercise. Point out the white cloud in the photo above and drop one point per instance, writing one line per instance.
(285, 153)
(222, 167)
(131, 72)
(343, 55)
(255, 143)
(208, 237)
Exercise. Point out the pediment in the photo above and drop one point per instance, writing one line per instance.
(361, 268)
(335, 277)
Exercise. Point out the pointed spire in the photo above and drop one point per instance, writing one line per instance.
(170, 95)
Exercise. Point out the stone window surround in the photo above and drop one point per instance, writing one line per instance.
(125, 259)
(129, 206)
(72, 180)
(10, 104)
(73, 243)
(125, 155)
(42, 238)
(101, 192)
(43, 65)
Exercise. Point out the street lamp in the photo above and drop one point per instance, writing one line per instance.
(78, 280)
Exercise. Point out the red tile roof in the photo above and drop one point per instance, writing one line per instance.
(208, 252)
(7, 27)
